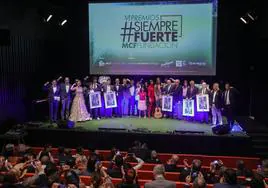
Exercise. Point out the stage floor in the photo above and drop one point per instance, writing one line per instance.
(148, 125)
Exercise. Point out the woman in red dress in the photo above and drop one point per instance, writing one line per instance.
(151, 97)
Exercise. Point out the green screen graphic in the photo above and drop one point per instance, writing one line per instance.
(153, 38)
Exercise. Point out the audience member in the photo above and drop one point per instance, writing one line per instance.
(215, 172)
(160, 181)
(240, 165)
(228, 180)
(129, 179)
(198, 182)
(114, 169)
(171, 165)
(45, 153)
(192, 170)
(61, 155)
(263, 169)
(154, 158)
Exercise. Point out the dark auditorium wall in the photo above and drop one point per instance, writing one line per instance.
(41, 51)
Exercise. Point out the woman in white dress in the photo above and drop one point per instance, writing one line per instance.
(79, 110)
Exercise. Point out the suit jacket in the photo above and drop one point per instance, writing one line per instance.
(232, 95)
(51, 93)
(118, 90)
(177, 93)
(166, 89)
(218, 99)
(104, 88)
(97, 88)
(191, 94)
(125, 91)
(160, 183)
(63, 93)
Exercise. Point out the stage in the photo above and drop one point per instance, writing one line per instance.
(164, 135)
(145, 125)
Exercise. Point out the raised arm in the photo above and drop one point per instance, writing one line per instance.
(73, 88)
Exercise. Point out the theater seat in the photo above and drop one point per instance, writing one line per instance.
(229, 161)
(86, 180)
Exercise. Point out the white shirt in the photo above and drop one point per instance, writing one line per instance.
(214, 96)
(67, 87)
(95, 86)
(184, 91)
(54, 89)
(227, 98)
(132, 90)
(169, 88)
(117, 87)
(108, 88)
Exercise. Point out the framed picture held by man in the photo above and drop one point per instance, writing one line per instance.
(202, 102)
(95, 100)
(110, 100)
(188, 107)
(167, 101)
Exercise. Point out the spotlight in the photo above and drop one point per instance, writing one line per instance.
(63, 22)
(49, 17)
(250, 16)
(243, 20)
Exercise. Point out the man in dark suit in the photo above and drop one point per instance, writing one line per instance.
(126, 96)
(168, 91)
(53, 99)
(160, 181)
(192, 91)
(204, 90)
(65, 95)
(216, 104)
(228, 97)
(107, 87)
(96, 88)
(119, 96)
(177, 99)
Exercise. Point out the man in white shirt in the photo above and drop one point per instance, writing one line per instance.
(216, 104)
(53, 99)
(65, 95)
(229, 96)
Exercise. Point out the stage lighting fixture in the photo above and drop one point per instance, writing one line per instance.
(63, 22)
(243, 20)
(250, 16)
(49, 17)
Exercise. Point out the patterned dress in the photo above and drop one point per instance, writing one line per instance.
(79, 110)
(142, 101)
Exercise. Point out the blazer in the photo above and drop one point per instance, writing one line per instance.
(232, 96)
(218, 99)
(166, 89)
(118, 90)
(192, 94)
(63, 93)
(51, 93)
(160, 183)
(125, 90)
(177, 93)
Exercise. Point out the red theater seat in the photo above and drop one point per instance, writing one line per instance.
(85, 179)
(229, 161)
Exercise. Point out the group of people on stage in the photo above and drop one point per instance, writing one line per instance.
(136, 98)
